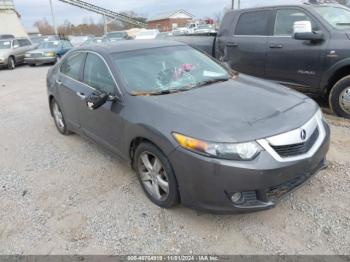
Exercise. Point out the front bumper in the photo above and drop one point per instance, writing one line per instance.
(3, 61)
(40, 60)
(207, 184)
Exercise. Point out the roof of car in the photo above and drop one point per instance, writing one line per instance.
(304, 4)
(129, 45)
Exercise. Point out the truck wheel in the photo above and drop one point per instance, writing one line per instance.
(11, 64)
(339, 98)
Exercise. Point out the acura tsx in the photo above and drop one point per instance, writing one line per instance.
(195, 132)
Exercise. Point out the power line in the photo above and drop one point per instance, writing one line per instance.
(53, 18)
(105, 12)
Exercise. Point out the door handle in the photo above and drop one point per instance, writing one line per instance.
(232, 44)
(58, 82)
(276, 46)
(81, 95)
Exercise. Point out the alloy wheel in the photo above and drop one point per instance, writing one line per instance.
(12, 64)
(57, 114)
(344, 100)
(153, 176)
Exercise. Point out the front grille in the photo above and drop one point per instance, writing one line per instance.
(297, 149)
(278, 191)
(35, 55)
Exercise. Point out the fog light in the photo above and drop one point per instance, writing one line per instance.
(236, 197)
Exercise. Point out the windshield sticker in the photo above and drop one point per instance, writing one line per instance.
(185, 68)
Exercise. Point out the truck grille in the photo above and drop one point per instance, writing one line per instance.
(297, 149)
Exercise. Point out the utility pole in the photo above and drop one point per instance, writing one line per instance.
(233, 4)
(105, 27)
(53, 18)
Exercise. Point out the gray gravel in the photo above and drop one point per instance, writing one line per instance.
(65, 195)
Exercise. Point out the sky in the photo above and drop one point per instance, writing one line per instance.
(34, 10)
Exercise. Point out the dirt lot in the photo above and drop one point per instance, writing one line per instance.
(65, 195)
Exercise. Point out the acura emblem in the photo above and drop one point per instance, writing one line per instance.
(303, 134)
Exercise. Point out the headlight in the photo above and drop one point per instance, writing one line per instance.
(27, 55)
(229, 151)
(50, 54)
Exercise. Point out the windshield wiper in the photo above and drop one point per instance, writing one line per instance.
(211, 81)
(177, 90)
(343, 24)
(163, 92)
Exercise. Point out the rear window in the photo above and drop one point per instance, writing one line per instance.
(253, 23)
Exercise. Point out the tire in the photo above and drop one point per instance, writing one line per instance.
(165, 175)
(58, 117)
(11, 64)
(32, 65)
(339, 98)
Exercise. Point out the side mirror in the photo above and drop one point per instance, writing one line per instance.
(96, 100)
(313, 36)
(302, 30)
(15, 46)
(302, 27)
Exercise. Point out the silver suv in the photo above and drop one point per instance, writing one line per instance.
(12, 51)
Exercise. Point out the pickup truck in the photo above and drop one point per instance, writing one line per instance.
(303, 46)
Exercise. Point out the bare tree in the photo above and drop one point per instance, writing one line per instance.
(44, 27)
(87, 27)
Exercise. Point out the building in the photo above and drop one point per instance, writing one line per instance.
(10, 22)
(168, 21)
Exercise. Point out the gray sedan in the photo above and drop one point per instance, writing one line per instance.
(194, 132)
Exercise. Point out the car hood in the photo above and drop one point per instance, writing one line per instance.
(238, 110)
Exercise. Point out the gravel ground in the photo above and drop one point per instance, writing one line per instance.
(65, 195)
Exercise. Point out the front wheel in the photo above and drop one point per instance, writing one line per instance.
(11, 64)
(339, 98)
(156, 176)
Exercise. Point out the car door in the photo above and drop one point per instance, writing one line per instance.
(70, 85)
(104, 124)
(17, 51)
(29, 45)
(246, 50)
(66, 46)
(294, 62)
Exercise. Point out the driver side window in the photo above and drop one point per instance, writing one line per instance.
(285, 20)
(72, 65)
(97, 75)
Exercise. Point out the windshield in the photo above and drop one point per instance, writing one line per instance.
(337, 17)
(167, 69)
(5, 44)
(37, 40)
(49, 45)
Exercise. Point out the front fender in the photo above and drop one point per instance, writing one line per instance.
(165, 143)
(331, 71)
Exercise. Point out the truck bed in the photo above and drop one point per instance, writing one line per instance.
(205, 43)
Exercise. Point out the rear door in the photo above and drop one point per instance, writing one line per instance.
(293, 62)
(70, 85)
(246, 50)
(104, 124)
